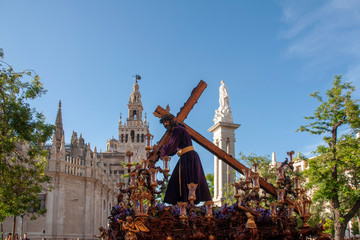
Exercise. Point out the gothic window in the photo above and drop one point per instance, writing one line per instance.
(137, 137)
(132, 133)
(142, 138)
(122, 137)
(126, 138)
(42, 198)
(135, 114)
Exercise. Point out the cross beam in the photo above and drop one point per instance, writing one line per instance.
(211, 147)
(184, 111)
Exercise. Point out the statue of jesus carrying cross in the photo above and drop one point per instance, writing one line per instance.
(188, 169)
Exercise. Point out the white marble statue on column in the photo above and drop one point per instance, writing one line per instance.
(223, 113)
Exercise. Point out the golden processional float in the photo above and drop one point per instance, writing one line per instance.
(259, 210)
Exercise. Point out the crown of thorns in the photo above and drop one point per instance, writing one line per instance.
(166, 117)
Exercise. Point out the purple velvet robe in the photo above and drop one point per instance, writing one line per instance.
(191, 170)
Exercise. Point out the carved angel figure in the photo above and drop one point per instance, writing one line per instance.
(251, 220)
(132, 227)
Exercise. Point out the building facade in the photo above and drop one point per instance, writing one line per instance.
(85, 181)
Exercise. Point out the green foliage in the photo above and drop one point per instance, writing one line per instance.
(1, 53)
(334, 172)
(210, 181)
(355, 227)
(229, 193)
(318, 212)
(266, 170)
(329, 226)
(23, 131)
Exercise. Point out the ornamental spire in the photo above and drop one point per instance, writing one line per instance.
(59, 131)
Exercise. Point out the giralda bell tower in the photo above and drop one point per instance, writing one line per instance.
(132, 132)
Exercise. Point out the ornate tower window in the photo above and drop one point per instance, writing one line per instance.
(132, 133)
(137, 137)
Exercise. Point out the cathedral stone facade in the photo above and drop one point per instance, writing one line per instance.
(85, 181)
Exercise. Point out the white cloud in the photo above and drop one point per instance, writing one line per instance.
(335, 25)
(324, 32)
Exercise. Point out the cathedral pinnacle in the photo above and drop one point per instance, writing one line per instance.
(59, 131)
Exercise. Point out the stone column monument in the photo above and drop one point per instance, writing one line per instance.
(224, 137)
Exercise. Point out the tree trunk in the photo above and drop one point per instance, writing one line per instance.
(2, 231)
(340, 228)
(14, 227)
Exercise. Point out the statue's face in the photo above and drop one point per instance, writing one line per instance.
(167, 124)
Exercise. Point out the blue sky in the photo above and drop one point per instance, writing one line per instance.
(270, 54)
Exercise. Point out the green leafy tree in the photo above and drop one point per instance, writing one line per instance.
(23, 132)
(355, 227)
(334, 172)
(210, 181)
(265, 169)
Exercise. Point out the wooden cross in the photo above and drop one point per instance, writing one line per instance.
(211, 147)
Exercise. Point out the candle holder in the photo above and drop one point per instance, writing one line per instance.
(129, 154)
(273, 210)
(291, 212)
(192, 188)
(166, 169)
(153, 173)
(248, 176)
(141, 197)
(148, 138)
(144, 163)
(208, 209)
(236, 188)
(280, 175)
(281, 196)
(133, 176)
(183, 215)
(256, 167)
(256, 185)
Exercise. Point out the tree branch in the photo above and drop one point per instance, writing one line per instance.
(352, 211)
